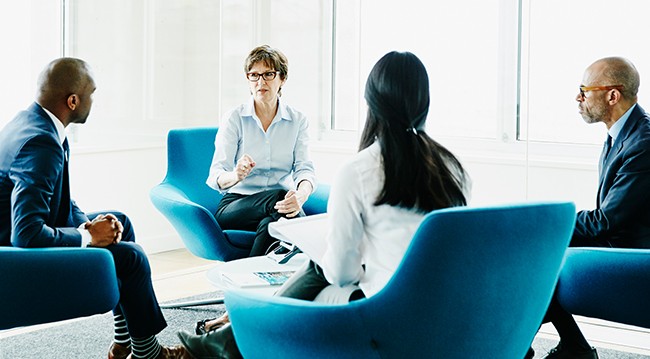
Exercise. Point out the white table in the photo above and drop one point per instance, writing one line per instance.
(253, 264)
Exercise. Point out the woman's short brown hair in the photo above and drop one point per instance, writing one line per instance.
(271, 57)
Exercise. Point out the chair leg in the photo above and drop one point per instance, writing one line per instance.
(192, 303)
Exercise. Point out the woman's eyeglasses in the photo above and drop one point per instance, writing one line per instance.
(267, 76)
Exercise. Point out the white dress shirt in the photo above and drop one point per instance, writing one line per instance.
(361, 232)
(281, 153)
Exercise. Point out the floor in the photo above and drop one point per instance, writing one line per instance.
(179, 274)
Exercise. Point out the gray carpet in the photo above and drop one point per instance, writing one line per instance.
(90, 338)
(542, 346)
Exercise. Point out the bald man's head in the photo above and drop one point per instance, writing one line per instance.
(619, 71)
(65, 88)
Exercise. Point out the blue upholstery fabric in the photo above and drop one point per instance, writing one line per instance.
(475, 282)
(607, 283)
(42, 285)
(189, 204)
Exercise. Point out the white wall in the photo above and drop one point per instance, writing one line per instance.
(120, 179)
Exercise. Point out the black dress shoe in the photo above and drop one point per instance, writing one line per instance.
(175, 352)
(118, 351)
(530, 354)
(199, 329)
(561, 352)
(216, 344)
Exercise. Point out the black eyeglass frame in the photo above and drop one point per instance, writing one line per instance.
(267, 76)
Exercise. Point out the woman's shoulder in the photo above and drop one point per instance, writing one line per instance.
(232, 118)
(368, 159)
(292, 113)
(236, 112)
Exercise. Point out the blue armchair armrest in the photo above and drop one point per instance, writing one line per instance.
(197, 227)
(298, 326)
(607, 283)
(42, 285)
(317, 202)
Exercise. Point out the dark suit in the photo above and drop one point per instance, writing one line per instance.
(622, 215)
(36, 211)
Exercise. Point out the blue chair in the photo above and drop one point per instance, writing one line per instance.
(475, 282)
(43, 285)
(607, 283)
(189, 203)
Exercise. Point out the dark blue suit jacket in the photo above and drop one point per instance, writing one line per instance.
(31, 185)
(622, 215)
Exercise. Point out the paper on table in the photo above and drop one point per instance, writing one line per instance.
(308, 233)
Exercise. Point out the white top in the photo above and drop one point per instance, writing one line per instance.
(281, 153)
(360, 232)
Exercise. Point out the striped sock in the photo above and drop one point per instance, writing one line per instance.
(145, 348)
(121, 335)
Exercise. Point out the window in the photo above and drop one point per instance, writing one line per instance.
(173, 63)
(464, 52)
(162, 64)
(561, 39)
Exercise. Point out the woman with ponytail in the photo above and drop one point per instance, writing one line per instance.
(399, 175)
(377, 201)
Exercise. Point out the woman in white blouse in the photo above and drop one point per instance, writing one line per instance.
(379, 197)
(261, 161)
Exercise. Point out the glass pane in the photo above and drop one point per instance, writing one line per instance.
(464, 78)
(565, 37)
(236, 42)
(109, 35)
(171, 63)
(31, 38)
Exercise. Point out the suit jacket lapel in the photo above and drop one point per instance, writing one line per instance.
(60, 202)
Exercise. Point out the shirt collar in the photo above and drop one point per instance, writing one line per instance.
(249, 109)
(60, 129)
(616, 128)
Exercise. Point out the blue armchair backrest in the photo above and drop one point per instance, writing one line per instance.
(508, 256)
(189, 155)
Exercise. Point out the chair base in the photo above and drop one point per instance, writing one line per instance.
(192, 303)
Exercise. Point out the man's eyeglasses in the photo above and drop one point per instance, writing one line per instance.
(267, 76)
(584, 89)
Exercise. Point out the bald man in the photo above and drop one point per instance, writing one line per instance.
(36, 209)
(608, 94)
